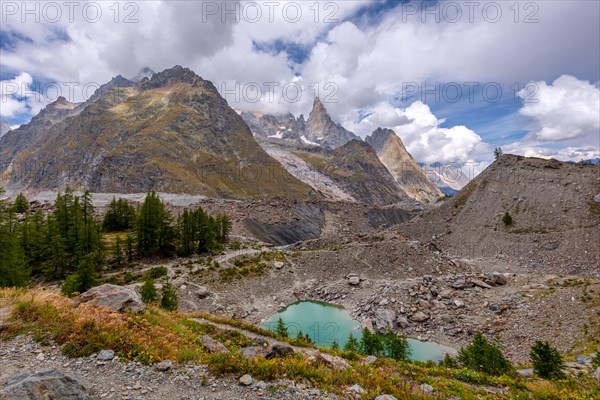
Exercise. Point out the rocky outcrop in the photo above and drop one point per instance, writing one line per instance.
(118, 298)
(50, 384)
(403, 167)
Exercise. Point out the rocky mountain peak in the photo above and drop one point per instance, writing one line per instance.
(402, 165)
(177, 74)
(380, 136)
(321, 129)
(143, 74)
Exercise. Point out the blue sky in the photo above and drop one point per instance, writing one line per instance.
(361, 53)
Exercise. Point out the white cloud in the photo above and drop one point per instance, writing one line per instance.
(422, 135)
(566, 109)
(17, 97)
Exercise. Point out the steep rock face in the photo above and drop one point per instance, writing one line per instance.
(356, 169)
(402, 166)
(18, 139)
(555, 218)
(321, 129)
(274, 128)
(172, 133)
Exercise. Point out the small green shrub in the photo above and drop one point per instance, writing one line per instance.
(148, 291)
(547, 361)
(507, 219)
(481, 355)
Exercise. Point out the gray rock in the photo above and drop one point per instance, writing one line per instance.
(246, 380)
(402, 322)
(369, 360)
(278, 265)
(356, 388)
(419, 316)
(213, 346)
(597, 375)
(51, 384)
(583, 359)
(279, 351)
(525, 373)
(426, 388)
(383, 319)
(253, 352)
(105, 355)
(354, 280)
(260, 385)
(458, 303)
(385, 397)
(497, 278)
(481, 284)
(164, 365)
(330, 361)
(597, 198)
(118, 298)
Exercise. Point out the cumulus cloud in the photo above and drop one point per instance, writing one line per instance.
(423, 136)
(568, 108)
(17, 97)
(366, 60)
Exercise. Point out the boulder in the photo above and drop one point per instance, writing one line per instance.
(278, 264)
(253, 352)
(426, 388)
(419, 316)
(118, 298)
(497, 278)
(424, 303)
(105, 355)
(213, 346)
(597, 375)
(330, 361)
(368, 360)
(246, 380)
(354, 280)
(385, 397)
(50, 384)
(383, 319)
(164, 365)
(279, 351)
(402, 322)
(356, 388)
(481, 284)
(525, 373)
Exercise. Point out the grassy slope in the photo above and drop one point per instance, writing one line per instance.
(157, 334)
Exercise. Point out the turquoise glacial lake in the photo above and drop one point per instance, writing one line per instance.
(325, 323)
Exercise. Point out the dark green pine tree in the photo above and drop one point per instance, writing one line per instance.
(168, 299)
(481, 355)
(155, 233)
(547, 361)
(396, 346)
(352, 344)
(118, 252)
(371, 343)
(280, 328)
(13, 265)
(21, 204)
